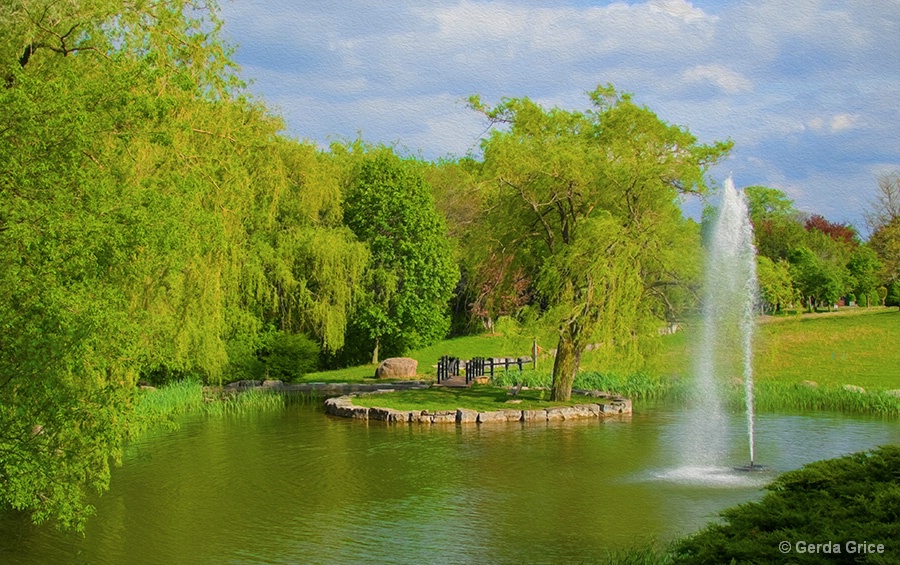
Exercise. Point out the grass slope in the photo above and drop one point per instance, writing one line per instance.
(854, 346)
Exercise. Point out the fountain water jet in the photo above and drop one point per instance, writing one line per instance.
(728, 323)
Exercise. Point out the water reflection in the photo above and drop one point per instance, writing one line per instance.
(300, 487)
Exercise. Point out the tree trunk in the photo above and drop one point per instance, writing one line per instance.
(565, 366)
(375, 353)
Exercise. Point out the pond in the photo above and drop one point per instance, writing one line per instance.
(297, 486)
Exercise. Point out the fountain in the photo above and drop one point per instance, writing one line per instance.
(728, 323)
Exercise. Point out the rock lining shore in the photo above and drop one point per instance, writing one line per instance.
(343, 406)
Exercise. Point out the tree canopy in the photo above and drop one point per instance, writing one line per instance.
(412, 271)
(586, 205)
(152, 222)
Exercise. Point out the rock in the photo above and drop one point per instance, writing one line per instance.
(420, 417)
(272, 383)
(512, 415)
(444, 417)
(810, 384)
(147, 387)
(534, 415)
(854, 388)
(514, 401)
(500, 416)
(560, 413)
(584, 410)
(464, 416)
(895, 392)
(243, 384)
(397, 368)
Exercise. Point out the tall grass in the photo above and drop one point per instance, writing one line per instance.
(637, 386)
(161, 408)
(776, 395)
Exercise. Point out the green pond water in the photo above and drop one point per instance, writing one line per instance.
(297, 486)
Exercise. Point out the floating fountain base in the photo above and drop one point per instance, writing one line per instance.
(752, 468)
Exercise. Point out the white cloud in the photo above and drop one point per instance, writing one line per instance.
(726, 79)
(807, 90)
(841, 122)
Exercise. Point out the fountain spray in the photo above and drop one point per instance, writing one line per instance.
(730, 303)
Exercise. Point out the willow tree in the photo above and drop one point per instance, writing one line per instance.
(586, 203)
(150, 217)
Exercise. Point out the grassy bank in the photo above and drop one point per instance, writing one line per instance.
(849, 347)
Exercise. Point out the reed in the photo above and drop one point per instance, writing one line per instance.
(777, 395)
(161, 408)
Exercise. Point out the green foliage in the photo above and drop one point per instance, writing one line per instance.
(775, 283)
(863, 267)
(776, 223)
(886, 242)
(411, 273)
(288, 357)
(820, 281)
(850, 499)
(152, 223)
(584, 207)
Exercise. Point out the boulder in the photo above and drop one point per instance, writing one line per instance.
(534, 415)
(464, 416)
(397, 368)
(893, 392)
(444, 417)
(854, 388)
(810, 384)
(492, 416)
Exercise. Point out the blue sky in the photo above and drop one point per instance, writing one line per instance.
(809, 91)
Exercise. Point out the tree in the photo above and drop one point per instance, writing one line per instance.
(886, 242)
(819, 281)
(586, 204)
(864, 266)
(841, 233)
(885, 209)
(152, 222)
(412, 273)
(884, 221)
(776, 223)
(775, 283)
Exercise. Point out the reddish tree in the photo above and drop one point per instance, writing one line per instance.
(843, 233)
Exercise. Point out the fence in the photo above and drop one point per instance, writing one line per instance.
(476, 367)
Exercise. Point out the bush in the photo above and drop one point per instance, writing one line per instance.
(851, 499)
(289, 356)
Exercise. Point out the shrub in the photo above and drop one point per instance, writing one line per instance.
(841, 501)
(289, 356)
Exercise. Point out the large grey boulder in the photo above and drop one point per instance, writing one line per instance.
(397, 368)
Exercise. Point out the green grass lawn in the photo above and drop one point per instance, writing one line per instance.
(485, 345)
(481, 398)
(855, 346)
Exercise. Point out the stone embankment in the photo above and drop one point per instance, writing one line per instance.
(343, 406)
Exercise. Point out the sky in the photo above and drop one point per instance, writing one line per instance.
(808, 91)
